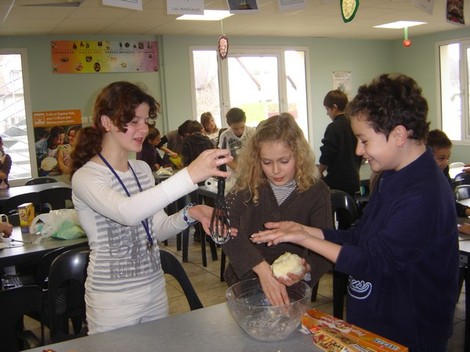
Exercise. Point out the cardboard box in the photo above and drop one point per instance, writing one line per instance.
(26, 214)
(333, 334)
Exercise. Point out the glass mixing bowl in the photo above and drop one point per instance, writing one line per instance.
(258, 318)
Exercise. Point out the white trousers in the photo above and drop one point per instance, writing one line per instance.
(112, 310)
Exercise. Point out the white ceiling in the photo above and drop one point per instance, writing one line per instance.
(320, 18)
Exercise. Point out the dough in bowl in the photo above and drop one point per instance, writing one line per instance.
(287, 263)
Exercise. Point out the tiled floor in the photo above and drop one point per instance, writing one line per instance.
(211, 290)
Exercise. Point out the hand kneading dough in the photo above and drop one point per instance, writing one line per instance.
(287, 263)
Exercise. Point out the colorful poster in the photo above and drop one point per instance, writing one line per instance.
(54, 137)
(90, 56)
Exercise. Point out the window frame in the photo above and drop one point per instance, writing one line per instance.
(279, 52)
(464, 81)
(28, 111)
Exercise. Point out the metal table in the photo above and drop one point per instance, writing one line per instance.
(208, 329)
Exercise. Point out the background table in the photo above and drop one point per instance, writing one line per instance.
(15, 191)
(31, 252)
(208, 329)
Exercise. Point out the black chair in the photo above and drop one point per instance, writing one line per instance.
(462, 192)
(172, 266)
(56, 198)
(10, 207)
(40, 180)
(66, 294)
(345, 209)
(15, 303)
(461, 179)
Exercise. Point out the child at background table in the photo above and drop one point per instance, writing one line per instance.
(149, 152)
(441, 147)
(276, 180)
(402, 254)
(210, 127)
(235, 137)
(6, 229)
(121, 209)
(195, 142)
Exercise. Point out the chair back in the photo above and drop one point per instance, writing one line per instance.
(40, 180)
(462, 192)
(343, 205)
(55, 198)
(345, 209)
(172, 266)
(66, 292)
(10, 207)
(16, 303)
(41, 273)
(461, 178)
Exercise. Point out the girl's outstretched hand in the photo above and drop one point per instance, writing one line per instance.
(272, 237)
(284, 225)
(207, 163)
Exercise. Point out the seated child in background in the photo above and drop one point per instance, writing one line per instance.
(441, 147)
(194, 143)
(402, 255)
(149, 152)
(235, 137)
(210, 127)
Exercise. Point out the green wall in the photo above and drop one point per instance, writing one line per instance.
(419, 61)
(365, 59)
(171, 85)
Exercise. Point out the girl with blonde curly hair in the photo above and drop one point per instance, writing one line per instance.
(276, 178)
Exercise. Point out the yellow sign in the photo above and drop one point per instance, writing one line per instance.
(57, 118)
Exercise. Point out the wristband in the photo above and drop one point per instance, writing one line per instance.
(307, 277)
(186, 217)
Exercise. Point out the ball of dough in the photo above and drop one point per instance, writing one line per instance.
(287, 263)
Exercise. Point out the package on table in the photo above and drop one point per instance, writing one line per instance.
(26, 215)
(333, 334)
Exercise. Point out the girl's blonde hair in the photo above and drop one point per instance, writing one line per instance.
(279, 128)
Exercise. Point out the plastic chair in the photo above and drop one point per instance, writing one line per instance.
(172, 266)
(40, 180)
(55, 198)
(343, 205)
(462, 192)
(65, 294)
(16, 303)
(461, 178)
(10, 207)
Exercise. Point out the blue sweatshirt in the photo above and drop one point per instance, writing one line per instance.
(402, 257)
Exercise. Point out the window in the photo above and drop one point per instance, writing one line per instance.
(454, 61)
(262, 82)
(13, 121)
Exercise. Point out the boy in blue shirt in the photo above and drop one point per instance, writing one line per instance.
(402, 255)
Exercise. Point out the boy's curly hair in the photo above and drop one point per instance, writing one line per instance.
(279, 128)
(391, 100)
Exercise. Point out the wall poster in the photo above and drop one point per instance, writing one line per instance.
(54, 137)
(100, 56)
